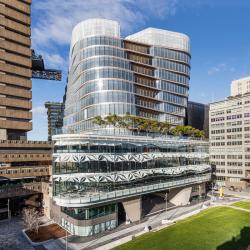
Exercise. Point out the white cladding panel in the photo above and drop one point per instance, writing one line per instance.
(94, 27)
(164, 38)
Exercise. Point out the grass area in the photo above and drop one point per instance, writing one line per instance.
(220, 228)
(242, 204)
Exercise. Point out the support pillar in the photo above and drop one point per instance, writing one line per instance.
(181, 197)
(133, 209)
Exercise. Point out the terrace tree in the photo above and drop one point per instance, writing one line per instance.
(141, 124)
(31, 219)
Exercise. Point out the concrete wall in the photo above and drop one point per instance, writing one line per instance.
(182, 197)
(47, 198)
(132, 208)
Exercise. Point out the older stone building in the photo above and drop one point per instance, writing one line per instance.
(24, 165)
(229, 124)
(15, 70)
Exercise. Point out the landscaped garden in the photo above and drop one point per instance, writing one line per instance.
(220, 228)
(139, 125)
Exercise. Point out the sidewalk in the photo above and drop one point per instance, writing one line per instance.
(242, 194)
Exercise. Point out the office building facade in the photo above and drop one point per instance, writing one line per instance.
(103, 177)
(198, 116)
(145, 74)
(229, 138)
(24, 173)
(55, 117)
(101, 181)
(240, 86)
(25, 165)
(15, 70)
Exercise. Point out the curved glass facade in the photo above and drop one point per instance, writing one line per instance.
(94, 174)
(92, 165)
(108, 74)
(100, 176)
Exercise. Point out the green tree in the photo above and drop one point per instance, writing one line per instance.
(99, 121)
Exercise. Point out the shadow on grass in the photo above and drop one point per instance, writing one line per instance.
(240, 242)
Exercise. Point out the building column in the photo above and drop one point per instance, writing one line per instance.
(132, 208)
(181, 197)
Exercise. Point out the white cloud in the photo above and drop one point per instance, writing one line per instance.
(54, 61)
(222, 67)
(39, 110)
(54, 20)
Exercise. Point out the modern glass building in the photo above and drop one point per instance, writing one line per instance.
(145, 74)
(97, 178)
(102, 178)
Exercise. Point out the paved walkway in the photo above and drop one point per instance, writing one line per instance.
(11, 237)
(242, 194)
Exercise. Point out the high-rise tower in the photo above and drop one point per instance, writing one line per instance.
(101, 180)
(146, 74)
(15, 69)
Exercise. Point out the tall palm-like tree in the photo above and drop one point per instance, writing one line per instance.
(164, 127)
(140, 124)
(98, 120)
(111, 120)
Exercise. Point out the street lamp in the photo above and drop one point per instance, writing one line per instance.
(166, 199)
(66, 225)
(165, 221)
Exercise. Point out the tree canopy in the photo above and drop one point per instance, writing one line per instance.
(140, 124)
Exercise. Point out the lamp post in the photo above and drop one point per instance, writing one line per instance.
(66, 224)
(165, 221)
(166, 199)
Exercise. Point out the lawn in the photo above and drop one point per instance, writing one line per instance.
(242, 204)
(220, 228)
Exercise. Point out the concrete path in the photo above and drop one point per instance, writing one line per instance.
(11, 237)
(243, 194)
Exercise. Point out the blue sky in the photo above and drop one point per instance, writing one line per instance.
(218, 29)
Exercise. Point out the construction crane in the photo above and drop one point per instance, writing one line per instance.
(39, 71)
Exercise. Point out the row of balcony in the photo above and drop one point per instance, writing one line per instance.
(83, 199)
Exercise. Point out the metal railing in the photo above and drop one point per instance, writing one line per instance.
(81, 199)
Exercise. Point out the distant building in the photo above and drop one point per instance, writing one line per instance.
(55, 117)
(197, 116)
(230, 136)
(241, 86)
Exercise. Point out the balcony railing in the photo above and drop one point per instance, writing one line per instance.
(126, 134)
(25, 144)
(75, 199)
(17, 190)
